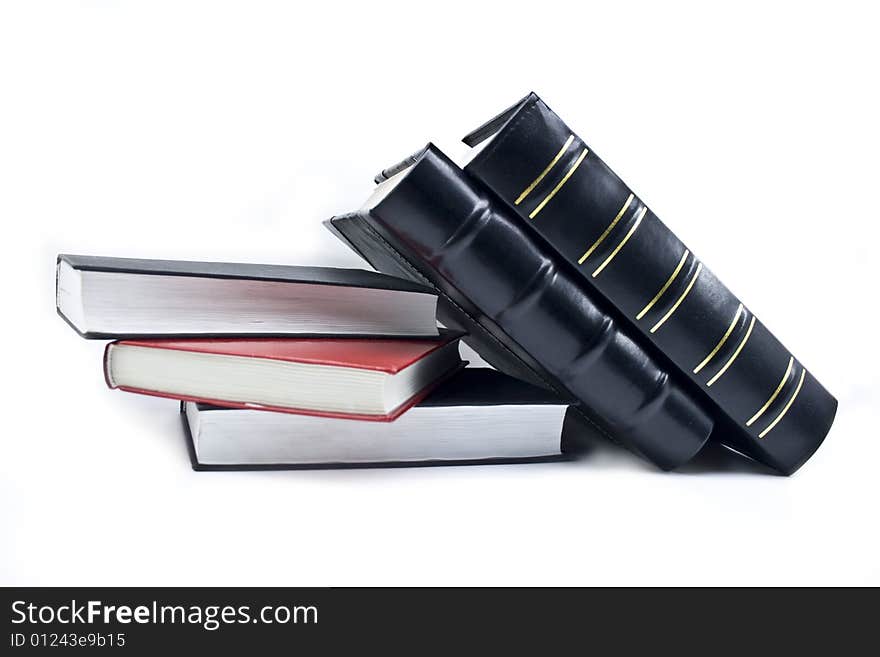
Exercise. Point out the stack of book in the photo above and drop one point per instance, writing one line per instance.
(279, 367)
(532, 251)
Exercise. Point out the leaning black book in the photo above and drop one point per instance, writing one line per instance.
(523, 313)
(765, 403)
(478, 416)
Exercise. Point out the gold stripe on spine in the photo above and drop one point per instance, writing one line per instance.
(774, 395)
(680, 299)
(607, 230)
(720, 342)
(787, 406)
(564, 180)
(536, 181)
(625, 239)
(665, 285)
(735, 353)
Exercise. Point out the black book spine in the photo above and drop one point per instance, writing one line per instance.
(458, 234)
(765, 403)
(454, 310)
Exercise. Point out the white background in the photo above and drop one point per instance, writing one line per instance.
(228, 132)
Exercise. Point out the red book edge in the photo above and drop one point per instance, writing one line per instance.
(174, 345)
(388, 417)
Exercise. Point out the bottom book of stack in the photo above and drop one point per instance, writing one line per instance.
(477, 416)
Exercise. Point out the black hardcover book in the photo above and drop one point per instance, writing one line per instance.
(129, 298)
(430, 223)
(478, 416)
(765, 403)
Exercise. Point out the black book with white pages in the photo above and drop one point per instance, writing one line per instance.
(117, 298)
(478, 416)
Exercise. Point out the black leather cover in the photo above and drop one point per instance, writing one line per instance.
(454, 310)
(764, 401)
(436, 226)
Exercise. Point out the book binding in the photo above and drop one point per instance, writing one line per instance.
(766, 404)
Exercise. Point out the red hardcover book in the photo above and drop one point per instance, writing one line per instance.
(365, 379)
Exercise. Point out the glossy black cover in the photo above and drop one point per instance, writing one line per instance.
(334, 276)
(454, 310)
(244, 271)
(532, 313)
(766, 405)
(470, 387)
